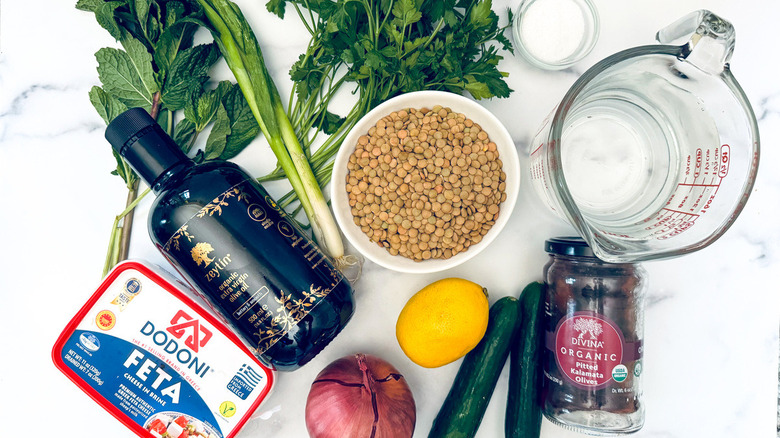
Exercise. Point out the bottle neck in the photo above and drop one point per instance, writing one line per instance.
(155, 157)
(170, 176)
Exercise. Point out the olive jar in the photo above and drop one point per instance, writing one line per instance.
(593, 319)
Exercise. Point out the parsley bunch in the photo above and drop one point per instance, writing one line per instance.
(159, 69)
(379, 49)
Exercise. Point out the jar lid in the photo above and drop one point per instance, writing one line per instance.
(571, 246)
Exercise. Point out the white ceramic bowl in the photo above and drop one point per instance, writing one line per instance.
(473, 110)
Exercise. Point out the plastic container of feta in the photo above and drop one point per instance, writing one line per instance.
(158, 361)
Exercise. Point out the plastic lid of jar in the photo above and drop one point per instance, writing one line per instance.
(571, 246)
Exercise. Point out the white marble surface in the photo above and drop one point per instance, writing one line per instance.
(711, 361)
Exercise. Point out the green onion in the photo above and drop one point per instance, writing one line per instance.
(241, 50)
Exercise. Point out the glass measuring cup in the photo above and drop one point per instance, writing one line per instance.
(653, 152)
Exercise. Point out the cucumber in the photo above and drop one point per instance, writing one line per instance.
(523, 411)
(465, 405)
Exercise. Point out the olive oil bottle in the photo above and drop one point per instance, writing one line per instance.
(237, 247)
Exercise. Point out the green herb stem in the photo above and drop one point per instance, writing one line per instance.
(118, 243)
(112, 254)
(127, 223)
(240, 49)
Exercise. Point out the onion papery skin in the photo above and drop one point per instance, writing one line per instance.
(360, 396)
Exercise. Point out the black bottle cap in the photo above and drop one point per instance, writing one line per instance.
(149, 150)
(571, 246)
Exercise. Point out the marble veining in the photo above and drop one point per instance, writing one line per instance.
(768, 106)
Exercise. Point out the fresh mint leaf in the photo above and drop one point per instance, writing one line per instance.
(163, 117)
(142, 63)
(187, 74)
(217, 140)
(184, 133)
(142, 13)
(173, 12)
(154, 28)
(121, 75)
(173, 39)
(106, 106)
(121, 169)
(243, 125)
(202, 108)
(106, 18)
(89, 5)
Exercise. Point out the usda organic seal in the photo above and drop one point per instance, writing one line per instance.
(619, 373)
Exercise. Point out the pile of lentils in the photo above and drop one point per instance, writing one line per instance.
(425, 183)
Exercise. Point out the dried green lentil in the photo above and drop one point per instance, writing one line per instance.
(425, 183)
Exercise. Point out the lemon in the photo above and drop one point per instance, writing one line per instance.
(442, 322)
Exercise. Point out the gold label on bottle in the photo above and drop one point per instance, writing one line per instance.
(258, 269)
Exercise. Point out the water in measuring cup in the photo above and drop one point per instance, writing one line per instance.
(626, 156)
(619, 162)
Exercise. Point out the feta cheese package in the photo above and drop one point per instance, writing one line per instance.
(159, 362)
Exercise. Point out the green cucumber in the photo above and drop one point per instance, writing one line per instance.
(523, 411)
(465, 405)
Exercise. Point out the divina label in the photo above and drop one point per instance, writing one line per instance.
(590, 350)
(159, 362)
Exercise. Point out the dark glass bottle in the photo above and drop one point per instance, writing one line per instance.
(237, 247)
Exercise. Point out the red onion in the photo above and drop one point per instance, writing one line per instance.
(360, 396)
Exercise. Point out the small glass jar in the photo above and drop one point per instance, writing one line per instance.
(594, 332)
(555, 34)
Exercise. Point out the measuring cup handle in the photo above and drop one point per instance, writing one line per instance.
(706, 39)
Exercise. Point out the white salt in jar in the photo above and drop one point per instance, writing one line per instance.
(554, 34)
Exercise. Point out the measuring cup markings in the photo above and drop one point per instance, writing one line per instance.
(711, 166)
(539, 174)
(650, 142)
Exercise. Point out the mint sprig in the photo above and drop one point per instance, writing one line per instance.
(159, 69)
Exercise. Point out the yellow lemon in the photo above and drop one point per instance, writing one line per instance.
(442, 322)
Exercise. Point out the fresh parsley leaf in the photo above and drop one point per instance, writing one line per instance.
(329, 123)
(481, 14)
(405, 13)
(435, 10)
(276, 7)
